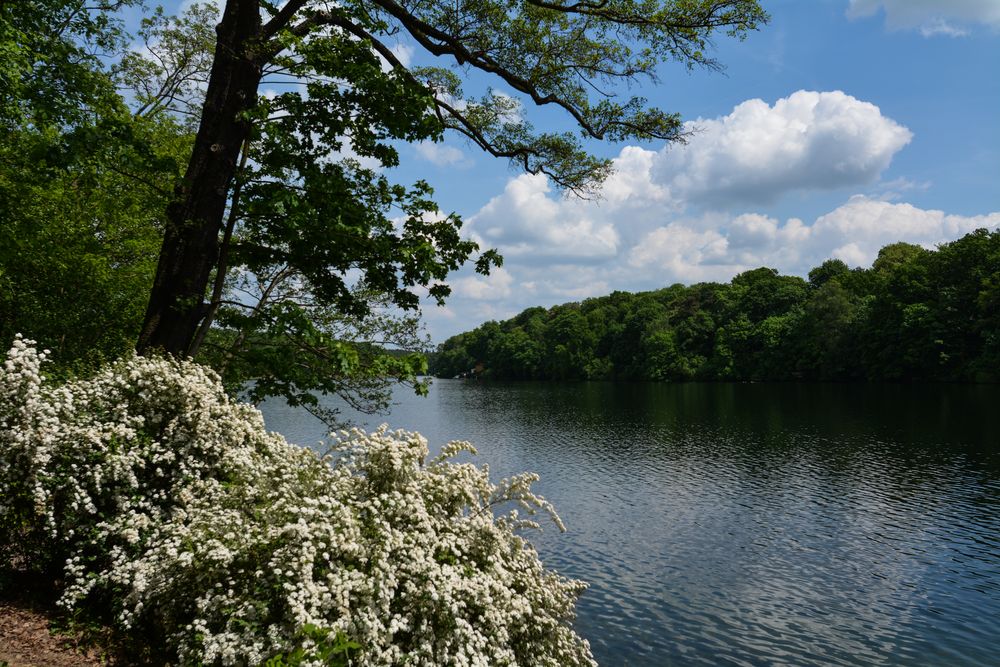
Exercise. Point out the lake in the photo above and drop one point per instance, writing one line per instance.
(749, 524)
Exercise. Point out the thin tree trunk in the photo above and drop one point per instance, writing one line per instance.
(195, 218)
(222, 265)
(265, 296)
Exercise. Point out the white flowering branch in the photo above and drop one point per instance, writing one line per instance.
(164, 503)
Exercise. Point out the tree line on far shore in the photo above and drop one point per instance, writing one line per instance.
(916, 314)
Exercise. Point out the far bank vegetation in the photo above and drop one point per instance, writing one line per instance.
(915, 315)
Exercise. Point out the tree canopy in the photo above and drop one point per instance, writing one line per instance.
(916, 314)
(83, 183)
(289, 204)
(272, 226)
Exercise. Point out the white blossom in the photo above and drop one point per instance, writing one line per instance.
(148, 487)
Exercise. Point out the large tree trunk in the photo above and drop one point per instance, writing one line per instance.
(195, 218)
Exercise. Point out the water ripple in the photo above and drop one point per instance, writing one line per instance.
(754, 524)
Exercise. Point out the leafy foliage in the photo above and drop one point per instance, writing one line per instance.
(332, 651)
(50, 59)
(915, 315)
(287, 193)
(83, 184)
(80, 226)
(167, 510)
(292, 345)
(273, 182)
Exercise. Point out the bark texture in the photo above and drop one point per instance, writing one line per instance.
(196, 216)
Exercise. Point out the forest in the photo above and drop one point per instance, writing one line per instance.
(916, 314)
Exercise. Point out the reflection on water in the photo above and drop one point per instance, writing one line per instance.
(750, 524)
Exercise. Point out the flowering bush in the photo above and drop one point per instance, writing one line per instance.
(169, 508)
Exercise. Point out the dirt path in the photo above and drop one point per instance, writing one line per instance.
(25, 641)
(26, 615)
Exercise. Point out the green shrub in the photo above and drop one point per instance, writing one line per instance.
(170, 511)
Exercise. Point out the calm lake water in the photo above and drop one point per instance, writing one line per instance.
(750, 524)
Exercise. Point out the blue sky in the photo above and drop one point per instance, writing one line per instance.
(839, 127)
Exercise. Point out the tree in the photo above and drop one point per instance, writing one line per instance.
(281, 341)
(50, 59)
(831, 269)
(569, 344)
(281, 247)
(827, 330)
(762, 293)
(918, 315)
(899, 342)
(83, 184)
(325, 219)
(895, 255)
(965, 273)
(79, 235)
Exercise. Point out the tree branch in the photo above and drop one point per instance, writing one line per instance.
(281, 19)
(446, 44)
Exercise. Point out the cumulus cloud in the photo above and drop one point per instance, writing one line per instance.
(439, 154)
(857, 230)
(677, 249)
(403, 53)
(898, 187)
(941, 27)
(680, 252)
(529, 225)
(633, 178)
(495, 286)
(695, 213)
(754, 155)
(853, 232)
(711, 247)
(806, 141)
(930, 17)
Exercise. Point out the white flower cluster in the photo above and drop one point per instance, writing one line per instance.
(170, 505)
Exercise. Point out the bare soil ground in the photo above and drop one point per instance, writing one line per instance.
(27, 615)
(26, 641)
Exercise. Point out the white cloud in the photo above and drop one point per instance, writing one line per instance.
(758, 239)
(756, 154)
(403, 53)
(712, 247)
(806, 141)
(679, 250)
(495, 286)
(941, 27)
(439, 154)
(445, 313)
(930, 17)
(513, 109)
(633, 178)
(529, 225)
(689, 214)
(859, 228)
(894, 190)
(582, 288)
(853, 232)
(347, 152)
